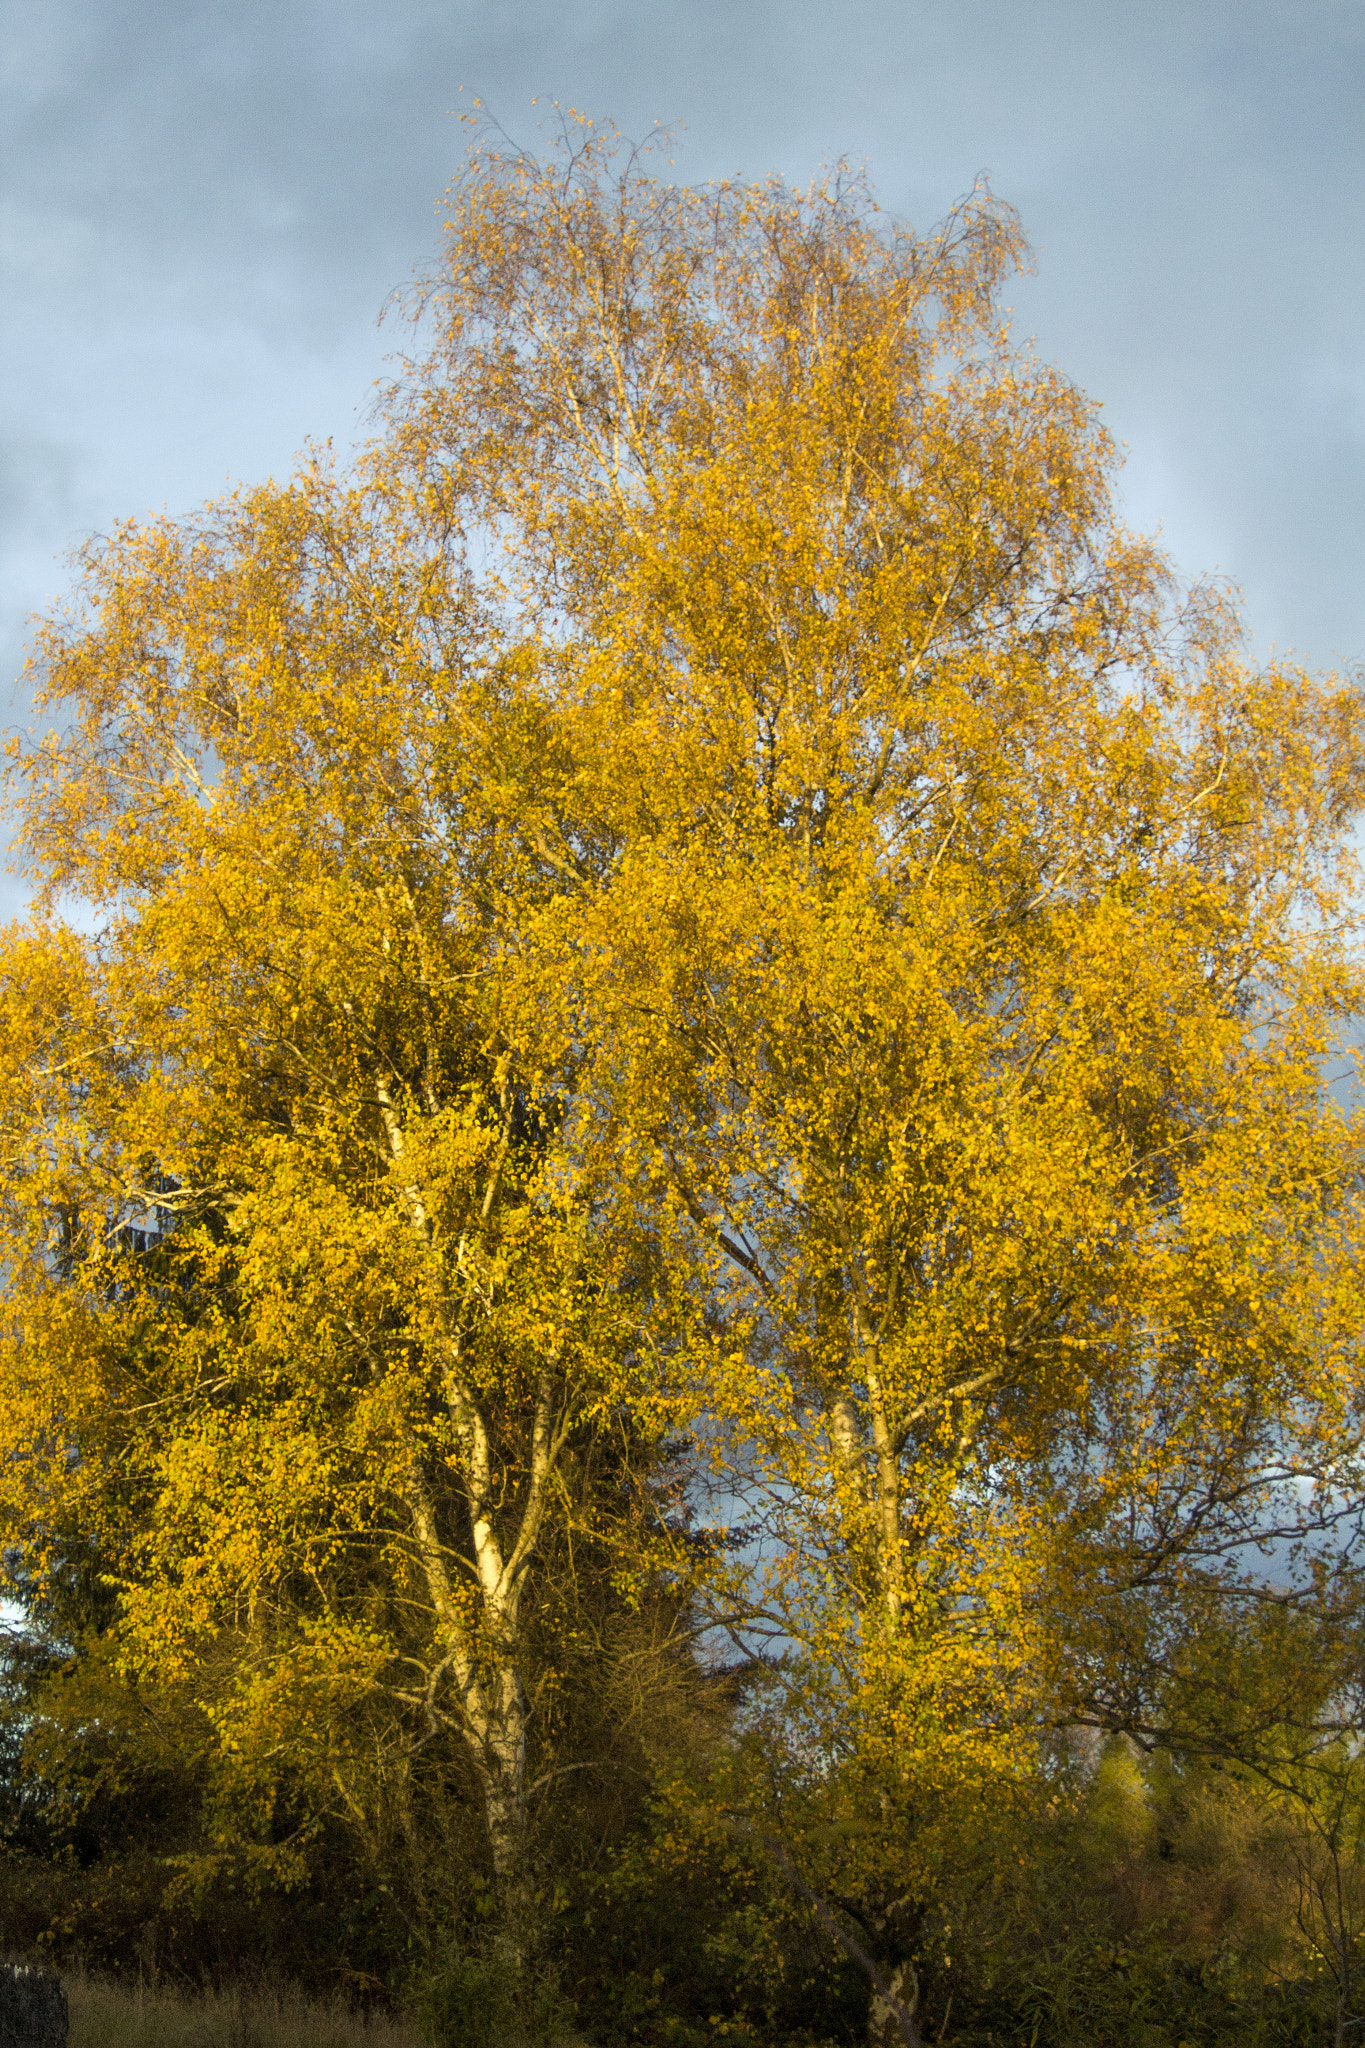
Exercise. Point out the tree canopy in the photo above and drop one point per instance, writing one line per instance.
(700, 1033)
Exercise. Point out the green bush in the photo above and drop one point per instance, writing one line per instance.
(492, 1997)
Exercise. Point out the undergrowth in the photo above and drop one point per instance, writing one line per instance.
(111, 2015)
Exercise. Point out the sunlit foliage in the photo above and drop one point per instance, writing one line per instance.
(707, 886)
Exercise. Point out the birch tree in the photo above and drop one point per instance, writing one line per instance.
(310, 1329)
(714, 879)
(978, 936)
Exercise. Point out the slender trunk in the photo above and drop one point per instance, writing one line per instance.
(1337, 1918)
(885, 2014)
(891, 1562)
(1346, 2027)
(498, 1726)
(886, 1476)
(893, 1996)
(491, 1694)
(885, 1485)
(482, 1659)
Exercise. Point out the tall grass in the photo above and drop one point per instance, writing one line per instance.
(107, 2015)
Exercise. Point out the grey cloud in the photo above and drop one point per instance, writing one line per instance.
(205, 204)
(37, 486)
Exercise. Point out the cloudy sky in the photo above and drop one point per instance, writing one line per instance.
(205, 203)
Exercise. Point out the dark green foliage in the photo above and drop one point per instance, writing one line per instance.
(678, 1939)
(1139, 1903)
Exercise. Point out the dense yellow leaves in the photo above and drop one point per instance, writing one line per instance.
(708, 883)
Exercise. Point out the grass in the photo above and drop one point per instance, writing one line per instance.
(108, 2015)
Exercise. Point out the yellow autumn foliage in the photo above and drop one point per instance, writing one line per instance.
(711, 883)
